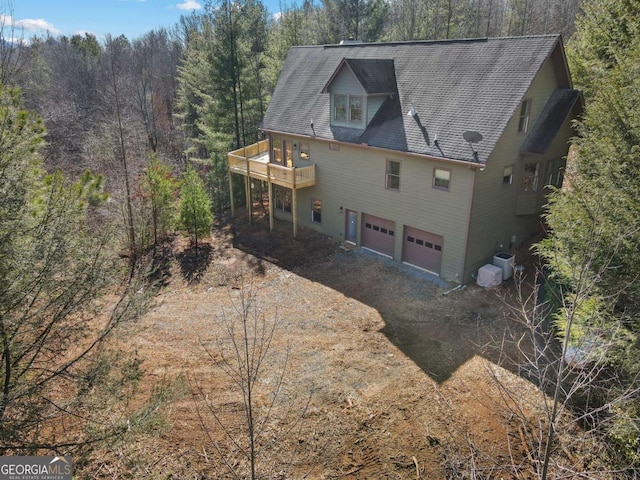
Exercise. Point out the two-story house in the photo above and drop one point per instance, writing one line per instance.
(436, 154)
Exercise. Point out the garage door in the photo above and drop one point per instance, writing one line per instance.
(422, 249)
(378, 234)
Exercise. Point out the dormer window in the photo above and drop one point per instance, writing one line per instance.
(358, 88)
(340, 107)
(347, 108)
(355, 108)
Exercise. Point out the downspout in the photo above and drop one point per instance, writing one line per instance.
(466, 237)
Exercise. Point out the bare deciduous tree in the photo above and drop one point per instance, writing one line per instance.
(246, 353)
(564, 347)
(14, 55)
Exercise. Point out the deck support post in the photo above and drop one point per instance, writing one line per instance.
(233, 209)
(247, 188)
(270, 193)
(294, 208)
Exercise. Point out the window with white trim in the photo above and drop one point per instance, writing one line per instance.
(316, 211)
(530, 177)
(555, 173)
(288, 154)
(441, 178)
(277, 150)
(282, 198)
(348, 108)
(340, 107)
(525, 111)
(507, 175)
(305, 151)
(392, 177)
(355, 108)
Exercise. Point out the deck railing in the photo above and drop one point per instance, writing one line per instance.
(251, 161)
(252, 150)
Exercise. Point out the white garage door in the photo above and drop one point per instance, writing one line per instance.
(378, 234)
(422, 249)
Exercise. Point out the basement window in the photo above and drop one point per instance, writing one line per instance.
(282, 197)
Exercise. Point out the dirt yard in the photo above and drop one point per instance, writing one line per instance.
(385, 376)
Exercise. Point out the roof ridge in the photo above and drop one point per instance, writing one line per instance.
(435, 42)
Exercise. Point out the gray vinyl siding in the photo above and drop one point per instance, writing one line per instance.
(373, 105)
(494, 219)
(346, 83)
(354, 178)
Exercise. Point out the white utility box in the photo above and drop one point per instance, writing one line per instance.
(505, 261)
(489, 276)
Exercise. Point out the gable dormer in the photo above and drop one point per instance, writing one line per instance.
(357, 89)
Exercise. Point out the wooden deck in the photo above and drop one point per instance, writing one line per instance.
(253, 161)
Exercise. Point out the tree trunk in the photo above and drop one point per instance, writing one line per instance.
(125, 166)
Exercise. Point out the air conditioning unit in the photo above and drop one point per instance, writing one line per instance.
(505, 261)
(489, 276)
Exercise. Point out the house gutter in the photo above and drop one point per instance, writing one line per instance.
(468, 163)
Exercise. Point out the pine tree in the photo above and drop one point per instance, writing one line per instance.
(56, 384)
(195, 206)
(595, 224)
(605, 31)
(158, 189)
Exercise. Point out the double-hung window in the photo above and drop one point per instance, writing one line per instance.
(441, 178)
(523, 121)
(530, 177)
(392, 180)
(316, 211)
(507, 175)
(282, 198)
(288, 157)
(340, 107)
(282, 152)
(305, 151)
(355, 108)
(347, 108)
(554, 173)
(277, 150)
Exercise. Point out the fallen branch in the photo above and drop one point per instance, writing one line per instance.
(355, 470)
